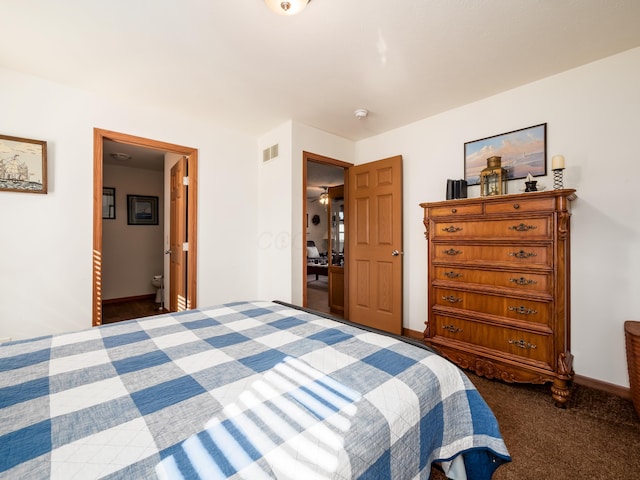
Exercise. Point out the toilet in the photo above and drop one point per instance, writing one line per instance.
(157, 281)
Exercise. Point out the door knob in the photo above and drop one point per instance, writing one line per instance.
(395, 253)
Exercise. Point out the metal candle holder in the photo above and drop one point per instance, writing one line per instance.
(557, 179)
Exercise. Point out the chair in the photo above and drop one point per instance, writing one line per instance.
(312, 251)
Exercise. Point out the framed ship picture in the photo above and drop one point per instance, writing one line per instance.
(23, 165)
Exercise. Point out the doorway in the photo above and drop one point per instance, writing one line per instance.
(324, 274)
(373, 255)
(184, 223)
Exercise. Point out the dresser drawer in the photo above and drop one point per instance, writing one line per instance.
(519, 205)
(520, 255)
(517, 308)
(533, 346)
(455, 210)
(516, 228)
(524, 281)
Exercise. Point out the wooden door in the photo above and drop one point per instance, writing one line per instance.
(178, 238)
(336, 236)
(375, 244)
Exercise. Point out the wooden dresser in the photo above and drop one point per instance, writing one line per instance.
(498, 283)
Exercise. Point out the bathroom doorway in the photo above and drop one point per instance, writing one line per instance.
(172, 245)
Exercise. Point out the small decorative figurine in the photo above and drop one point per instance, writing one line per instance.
(530, 184)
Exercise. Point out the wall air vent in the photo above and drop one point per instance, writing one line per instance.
(269, 153)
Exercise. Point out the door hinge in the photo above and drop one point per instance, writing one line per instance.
(185, 246)
(185, 181)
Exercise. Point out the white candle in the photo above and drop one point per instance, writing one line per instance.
(557, 162)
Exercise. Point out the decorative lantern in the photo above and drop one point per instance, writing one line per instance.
(493, 179)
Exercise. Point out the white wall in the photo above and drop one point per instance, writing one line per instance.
(281, 224)
(46, 240)
(274, 223)
(592, 118)
(131, 254)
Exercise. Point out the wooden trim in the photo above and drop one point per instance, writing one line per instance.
(143, 142)
(304, 229)
(99, 135)
(314, 157)
(347, 233)
(97, 228)
(192, 229)
(135, 298)
(413, 334)
(618, 390)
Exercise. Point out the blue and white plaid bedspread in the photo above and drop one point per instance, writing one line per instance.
(245, 390)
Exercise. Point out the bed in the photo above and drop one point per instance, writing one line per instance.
(243, 390)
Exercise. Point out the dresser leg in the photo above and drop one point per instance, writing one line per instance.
(560, 392)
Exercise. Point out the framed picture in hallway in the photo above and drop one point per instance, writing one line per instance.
(108, 203)
(142, 210)
(23, 165)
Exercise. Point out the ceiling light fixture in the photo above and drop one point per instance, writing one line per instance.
(283, 7)
(120, 156)
(361, 113)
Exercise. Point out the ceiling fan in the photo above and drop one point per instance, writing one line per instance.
(323, 198)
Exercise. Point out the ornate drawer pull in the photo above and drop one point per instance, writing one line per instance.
(522, 227)
(452, 229)
(451, 299)
(452, 252)
(522, 344)
(452, 274)
(523, 254)
(451, 328)
(522, 281)
(523, 310)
